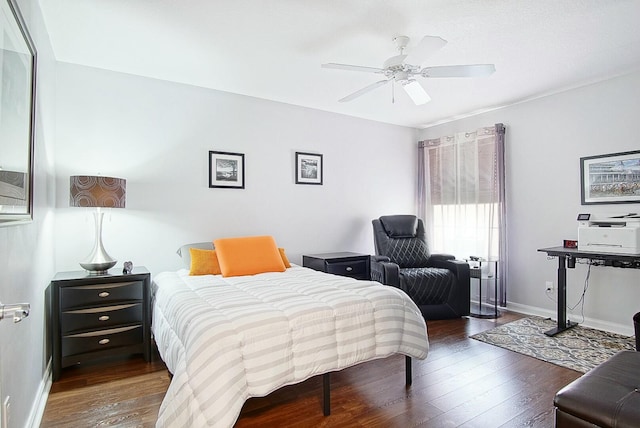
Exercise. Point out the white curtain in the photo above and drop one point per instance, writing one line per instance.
(461, 196)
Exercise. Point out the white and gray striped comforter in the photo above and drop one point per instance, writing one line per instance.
(228, 339)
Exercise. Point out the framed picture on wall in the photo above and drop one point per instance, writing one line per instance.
(610, 179)
(226, 170)
(308, 168)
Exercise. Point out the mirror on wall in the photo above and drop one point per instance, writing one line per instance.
(17, 112)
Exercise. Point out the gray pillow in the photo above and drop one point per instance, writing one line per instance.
(184, 254)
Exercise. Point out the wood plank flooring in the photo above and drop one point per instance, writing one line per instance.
(462, 383)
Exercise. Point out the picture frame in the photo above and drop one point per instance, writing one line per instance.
(226, 170)
(610, 179)
(309, 168)
(18, 58)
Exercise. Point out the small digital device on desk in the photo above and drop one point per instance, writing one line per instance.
(584, 217)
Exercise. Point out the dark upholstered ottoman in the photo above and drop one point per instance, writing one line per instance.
(607, 396)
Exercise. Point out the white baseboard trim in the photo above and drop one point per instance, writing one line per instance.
(40, 402)
(624, 329)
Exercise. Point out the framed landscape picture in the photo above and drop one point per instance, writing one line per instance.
(226, 170)
(610, 179)
(308, 168)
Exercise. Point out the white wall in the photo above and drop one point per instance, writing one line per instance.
(26, 252)
(157, 135)
(544, 142)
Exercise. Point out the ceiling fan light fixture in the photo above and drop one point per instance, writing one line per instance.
(416, 92)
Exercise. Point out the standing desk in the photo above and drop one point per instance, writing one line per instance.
(567, 258)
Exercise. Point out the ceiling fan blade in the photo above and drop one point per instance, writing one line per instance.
(427, 47)
(364, 90)
(470, 70)
(416, 92)
(353, 67)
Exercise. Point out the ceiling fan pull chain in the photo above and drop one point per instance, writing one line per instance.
(393, 92)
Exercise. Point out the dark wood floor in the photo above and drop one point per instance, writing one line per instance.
(462, 382)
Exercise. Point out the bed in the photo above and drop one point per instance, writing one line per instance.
(228, 338)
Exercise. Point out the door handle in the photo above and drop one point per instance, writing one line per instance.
(18, 310)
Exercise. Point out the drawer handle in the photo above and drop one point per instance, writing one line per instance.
(104, 341)
(104, 318)
(349, 268)
(104, 294)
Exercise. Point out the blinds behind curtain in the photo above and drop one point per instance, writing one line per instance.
(461, 195)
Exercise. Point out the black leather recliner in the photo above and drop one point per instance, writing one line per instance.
(437, 283)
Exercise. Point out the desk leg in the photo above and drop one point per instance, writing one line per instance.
(563, 324)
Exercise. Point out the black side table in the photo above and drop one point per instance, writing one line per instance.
(354, 265)
(97, 316)
(485, 272)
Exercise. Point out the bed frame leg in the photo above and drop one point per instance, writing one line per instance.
(326, 386)
(326, 394)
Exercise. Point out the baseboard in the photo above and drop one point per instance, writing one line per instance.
(626, 330)
(40, 402)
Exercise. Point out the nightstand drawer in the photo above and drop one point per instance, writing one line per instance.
(100, 340)
(100, 317)
(354, 265)
(354, 268)
(98, 294)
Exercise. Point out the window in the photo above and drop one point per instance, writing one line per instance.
(461, 193)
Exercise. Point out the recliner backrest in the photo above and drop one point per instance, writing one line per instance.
(402, 238)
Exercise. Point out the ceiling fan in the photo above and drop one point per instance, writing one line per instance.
(400, 68)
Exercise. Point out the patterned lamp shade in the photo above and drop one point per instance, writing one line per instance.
(97, 191)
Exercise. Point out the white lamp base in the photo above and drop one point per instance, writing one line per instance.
(98, 262)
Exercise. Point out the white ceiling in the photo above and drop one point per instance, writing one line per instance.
(273, 49)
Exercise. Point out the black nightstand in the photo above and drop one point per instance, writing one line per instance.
(98, 316)
(354, 265)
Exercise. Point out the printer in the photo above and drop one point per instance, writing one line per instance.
(614, 234)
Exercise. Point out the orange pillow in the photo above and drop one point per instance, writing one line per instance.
(248, 255)
(204, 262)
(285, 260)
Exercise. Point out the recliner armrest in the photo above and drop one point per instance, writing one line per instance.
(385, 271)
(459, 267)
(439, 257)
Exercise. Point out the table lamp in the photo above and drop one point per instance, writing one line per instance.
(99, 192)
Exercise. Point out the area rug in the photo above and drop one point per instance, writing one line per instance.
(579, 348)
